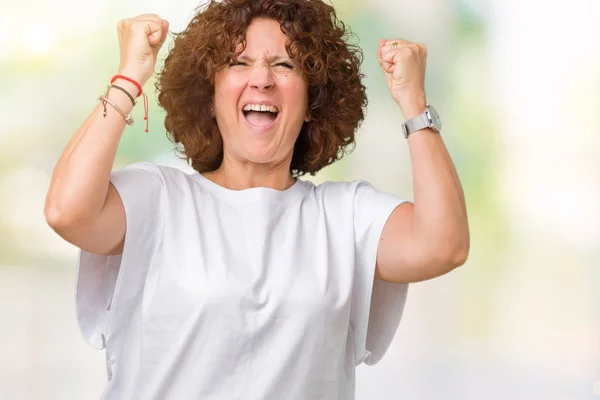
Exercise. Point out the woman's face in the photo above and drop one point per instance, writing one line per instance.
(261, 100)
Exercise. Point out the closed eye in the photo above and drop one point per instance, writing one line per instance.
(284, 64)
(245, 64)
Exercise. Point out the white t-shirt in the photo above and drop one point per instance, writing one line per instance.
(255, 294)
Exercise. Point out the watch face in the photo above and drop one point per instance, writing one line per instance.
(435, 118)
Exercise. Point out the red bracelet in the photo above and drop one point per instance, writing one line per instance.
(141, 92)
(139, 87)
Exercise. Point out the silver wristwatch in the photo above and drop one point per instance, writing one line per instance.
(428, 119)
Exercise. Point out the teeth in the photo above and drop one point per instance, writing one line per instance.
(258, 107)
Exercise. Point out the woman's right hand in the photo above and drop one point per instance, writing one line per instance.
(140, 39)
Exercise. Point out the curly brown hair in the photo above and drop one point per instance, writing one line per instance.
(318, 43)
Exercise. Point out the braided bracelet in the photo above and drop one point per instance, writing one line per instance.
(141, 92)
(139, 87)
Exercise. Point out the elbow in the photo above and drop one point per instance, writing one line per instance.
(52, 214)
(460, 256)
(65, 211)
(59, 218)
(458, 253)
(56, 218)
(452, 253)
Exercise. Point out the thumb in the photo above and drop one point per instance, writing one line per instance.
(165, 30)
(381, 44)
(154, 32)
(163, 33)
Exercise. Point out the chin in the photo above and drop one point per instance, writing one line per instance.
(260, 152)
(258, 157)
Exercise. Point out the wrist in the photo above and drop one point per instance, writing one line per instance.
(128, 86)
(412, 105)
(135, 91)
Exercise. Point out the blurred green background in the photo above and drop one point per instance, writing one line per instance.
(516, 84)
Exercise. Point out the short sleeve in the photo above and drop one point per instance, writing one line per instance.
(377, 305)
(99, 277)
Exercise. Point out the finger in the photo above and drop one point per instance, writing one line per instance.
(149, 19)
(399, 41)
(388, 60)
(396, 44)
(389, 44)
(388, 66)
(388, 55)
(150, 26)
(408, 52)
(165, 30)
(155, 21)
(153, 30)
(139, 21)
(381, 43)
(154, 17)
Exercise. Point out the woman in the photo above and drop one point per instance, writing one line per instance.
(242, 281)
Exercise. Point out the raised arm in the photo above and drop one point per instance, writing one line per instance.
(430, 237)
(82, 206)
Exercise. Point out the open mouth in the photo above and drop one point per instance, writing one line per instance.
(260, 116)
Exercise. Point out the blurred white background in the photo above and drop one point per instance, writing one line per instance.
(517, 86)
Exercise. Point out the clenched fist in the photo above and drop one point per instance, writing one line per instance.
(403, 64)
(140, 39)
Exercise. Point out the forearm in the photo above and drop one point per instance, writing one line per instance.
(80, 180)
(440, 218)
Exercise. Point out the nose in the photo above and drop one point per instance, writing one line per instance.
(260, 77)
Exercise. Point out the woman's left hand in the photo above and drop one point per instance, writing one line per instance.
(403, 64)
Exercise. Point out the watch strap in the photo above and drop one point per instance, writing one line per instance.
(416, 123)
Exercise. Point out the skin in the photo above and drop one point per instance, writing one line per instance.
(420, 240)
(263, 72)
(430, 237)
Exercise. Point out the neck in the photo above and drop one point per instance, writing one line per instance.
(239, 176)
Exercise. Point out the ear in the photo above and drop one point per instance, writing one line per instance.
(212, 111)
(307, 119)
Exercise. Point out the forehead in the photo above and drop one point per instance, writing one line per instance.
(264, 35)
